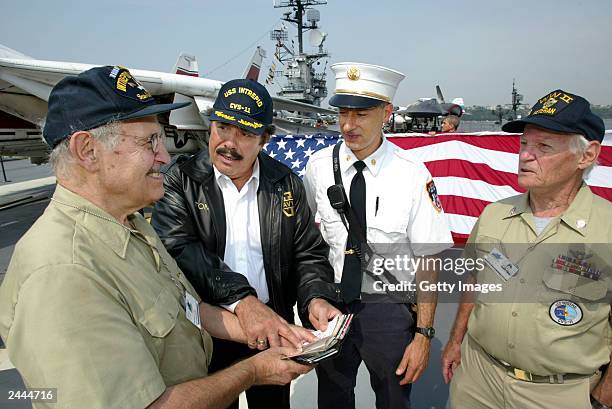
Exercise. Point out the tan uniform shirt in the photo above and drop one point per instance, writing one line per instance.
(88, 306)
(530, 324)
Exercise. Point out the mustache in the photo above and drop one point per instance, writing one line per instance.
(232, 153)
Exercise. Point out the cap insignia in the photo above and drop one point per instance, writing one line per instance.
(353, 73)
(550, 102)
(128, 86)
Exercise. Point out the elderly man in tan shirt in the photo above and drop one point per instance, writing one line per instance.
(544, 340)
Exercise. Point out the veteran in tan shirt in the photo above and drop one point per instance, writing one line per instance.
(92, 304)
(544, 340)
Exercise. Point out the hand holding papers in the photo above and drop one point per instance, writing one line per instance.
(328, 344)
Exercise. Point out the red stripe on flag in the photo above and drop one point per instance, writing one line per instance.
(502, 143)
(604, 192)
(605, 157)
(459, 238)
(463, 205)
(474, 171)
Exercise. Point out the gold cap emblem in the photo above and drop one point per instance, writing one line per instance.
(550, 102)
(353, 73)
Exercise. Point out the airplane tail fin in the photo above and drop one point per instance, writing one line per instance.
(252, 70)
(6, 52)
(440, 96)
(186, 64)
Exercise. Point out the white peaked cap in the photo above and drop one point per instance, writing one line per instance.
(361, 85)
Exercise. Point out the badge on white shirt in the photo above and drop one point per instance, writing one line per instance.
(501, 264)
(192, 310)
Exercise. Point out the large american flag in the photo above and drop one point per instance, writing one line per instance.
(470, 170)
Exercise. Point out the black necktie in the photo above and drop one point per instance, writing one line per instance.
(351, 272)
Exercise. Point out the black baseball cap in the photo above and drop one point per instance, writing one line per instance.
(244, 103)
(97, 97)
(561, 111)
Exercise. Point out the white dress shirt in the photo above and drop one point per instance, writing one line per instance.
(398, 208)
(242, 235)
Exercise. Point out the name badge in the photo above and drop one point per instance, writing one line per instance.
(501, 264)
(192, 310)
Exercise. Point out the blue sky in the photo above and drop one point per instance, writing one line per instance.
(471, 48)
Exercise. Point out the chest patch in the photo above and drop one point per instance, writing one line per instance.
(288, 208)
(565, 312)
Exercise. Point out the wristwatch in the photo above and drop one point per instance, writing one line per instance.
(429, 332)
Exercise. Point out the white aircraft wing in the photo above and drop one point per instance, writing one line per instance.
(25, 85)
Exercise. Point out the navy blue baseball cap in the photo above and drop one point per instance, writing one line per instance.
(560, 111)
(244, 103)
(97, 97)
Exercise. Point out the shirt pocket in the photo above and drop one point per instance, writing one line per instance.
(388, 229)
(160, 318)
(559, 284)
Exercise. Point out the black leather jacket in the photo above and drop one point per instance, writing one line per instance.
(190, 219)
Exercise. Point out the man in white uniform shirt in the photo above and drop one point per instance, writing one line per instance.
(394, 201)
(239, 226)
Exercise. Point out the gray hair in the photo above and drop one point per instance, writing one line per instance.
(61, 158)
(578, 145)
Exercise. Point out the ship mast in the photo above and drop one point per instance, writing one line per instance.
(516, 100)
(304, 84)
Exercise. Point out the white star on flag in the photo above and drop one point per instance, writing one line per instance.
(281, 144)
(296, 163)
(289, 154)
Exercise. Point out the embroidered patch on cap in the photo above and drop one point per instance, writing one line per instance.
(127, 86)
(552, 104)
(565, 312)
(433, 195)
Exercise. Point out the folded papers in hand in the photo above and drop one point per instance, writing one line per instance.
(328, 344)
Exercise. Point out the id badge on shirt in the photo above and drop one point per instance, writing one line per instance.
(192, 310)
(501, 264)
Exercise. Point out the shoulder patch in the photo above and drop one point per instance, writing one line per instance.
(432, 192)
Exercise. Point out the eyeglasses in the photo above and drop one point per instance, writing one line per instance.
(153, 141)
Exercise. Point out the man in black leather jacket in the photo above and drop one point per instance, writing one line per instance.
(234, 208)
